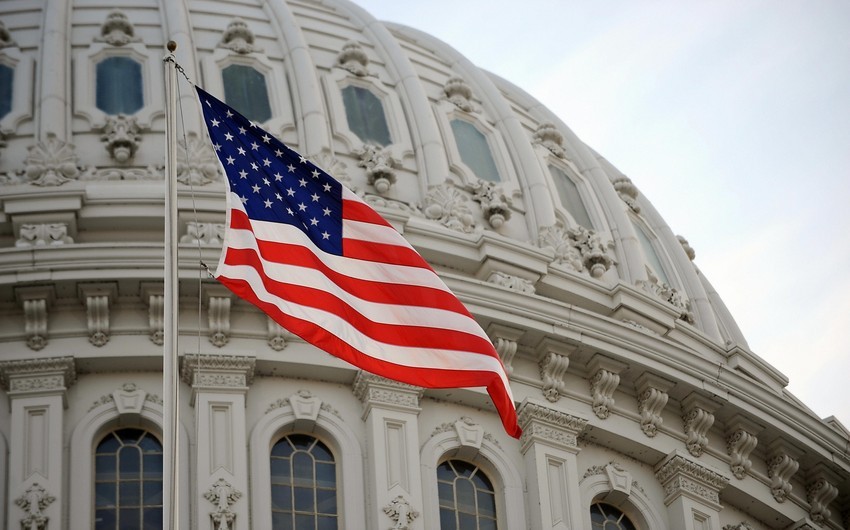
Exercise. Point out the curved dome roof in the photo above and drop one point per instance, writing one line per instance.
(538, 234)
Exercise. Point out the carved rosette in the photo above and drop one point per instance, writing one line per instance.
(652, 398)
(401, 513)
(680, 475)
(196, 164)
(222, 495)
(52, 162)
(117, 30)
(450, 207)
(627, 191)
(276, 337)
(197, 233)
(820, 492)
(543, 424)
(353, 59)
(121, 137)
(551, 138)
(459, 94)
(579, 247)
(781, 466)
(238, 37)
(495, 205)
(698, 417)
(380, 167)
(33, 502)
(604, 379)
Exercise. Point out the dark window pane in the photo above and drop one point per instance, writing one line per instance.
(302, 469)
(104, 494)
(281, 471)
(475, 151)
(152, 464)
(322, 453)
(119, 87)
(463, 469)
(281, 521)
(104, 520)
(129, 462)
(326, 475)
(486, 524)
(302, 441)
(447, 520)
(245, 90)
(326, 501)
(149, 444)
(281, 498)
(445, 472)
(109, 444)
(447, 494)
(152, 493)
(153, 519)
(465, 520)
(570, 197)
(486, 504)
(481, 481)
(104, 467)
(304, 500)
(129, 494)
(130, 519)
(282, 448)
(7, 75)
(305, 522)
(365, 115)
(327, 523)
(465, 494)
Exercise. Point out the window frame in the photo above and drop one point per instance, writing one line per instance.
(633, 502)
(667, 275)
(586, 197)
(22, 94)
(357, 86)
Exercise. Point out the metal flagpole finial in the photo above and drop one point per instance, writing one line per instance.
(171, 46)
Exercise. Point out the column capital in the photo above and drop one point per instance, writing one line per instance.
(374, 390)
(218, 373)
(680, 475)
(38, 377)
(543, 424)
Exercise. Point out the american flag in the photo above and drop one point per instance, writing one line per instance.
(324, 265)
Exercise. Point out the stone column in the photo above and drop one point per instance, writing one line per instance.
(549, 445)
(36, 389)
(391, 412)
(691, 492)
(219, 384)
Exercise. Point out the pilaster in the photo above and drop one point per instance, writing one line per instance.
(391, 412)
(549, 445)
(219, 385)
(36, 389)
(691, 492)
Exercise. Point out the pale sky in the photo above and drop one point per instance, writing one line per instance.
(731, 116)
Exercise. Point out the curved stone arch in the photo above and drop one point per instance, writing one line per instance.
(464, 441)
(303, 413)
(620, 493)
(90, 429)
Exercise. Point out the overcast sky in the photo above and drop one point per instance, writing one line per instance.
(731, 116)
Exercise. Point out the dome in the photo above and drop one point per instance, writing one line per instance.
(636, 390)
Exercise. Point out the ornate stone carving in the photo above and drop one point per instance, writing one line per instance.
(551, 138)
(97, 298)
(353, 58)
(117, 30)
(222, 371)
(238, 37)
(401, 513)
(743, 525)
(121, 136)
(33, 502)
(52, 162)
(803, 524)
(35, 323)
(741, 439)
(37, 376)
(505, 339)
(627, 191)
(126, 173)
(196, 164)
(222, 495)
(553, 368)
(380, 166)
(495, 204)
(782, 463)
(543, 424)
(820, 492)
(680, 475)
(197, 233)
(689, 251)
(156, 318)
(652, 398)
(6, 40)
(43, 234)
(672, 296)
(459, 93)
(698, 417)
(276, 338)
(373, 390)
(604, 379)
(509, 281)
(450, 207)
(218, 316)
(578, 247)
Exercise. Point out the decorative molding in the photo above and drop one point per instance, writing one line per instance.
(218, 315)
(698, 417)
(156, 318)
(652, 398)
(551, 138)
(679, 475)
(743, 525)
(97, 298)
(401, 513)
(627, 191)
(459, 94)
(34, 501)
(495, 204)
(35, 302)
(506, 341)
(121, 136)
(664, 292)
(820, 491)
(450, 207)
(373, 390)
(238, 38)
(218, 372)
(689, 251)
(6, 40)
(276, 337)
(554, 360)
(782, 463)
(741, 439)
(129, 173)
(353, 59)
(469, 434)
(803, 524)
(380, 166)
(198, 233)
(604, 377)
(33, 377)
(509, 281)
(543, 424)
(43, 234)
(117, 30)
(222, 495)
(579, 247)
(52, 162)
(197, 164)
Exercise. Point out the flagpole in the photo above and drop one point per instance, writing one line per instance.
(170, 371)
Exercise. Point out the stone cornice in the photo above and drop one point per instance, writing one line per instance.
(37, 377)
(217, 373)
(680, 475)
(543, 424)
(377, 391)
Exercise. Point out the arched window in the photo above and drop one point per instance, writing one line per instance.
(303, 484)
(128, 481)
(570, 197)
(119, 85)
(467, 497)
(245, 90)
(6, 77)
(606, 517)
(651, 255)
(475, 151)
(365, 115)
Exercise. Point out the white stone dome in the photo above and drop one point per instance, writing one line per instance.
(595, 305)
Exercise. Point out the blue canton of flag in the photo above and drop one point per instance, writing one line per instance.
(274, 182)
